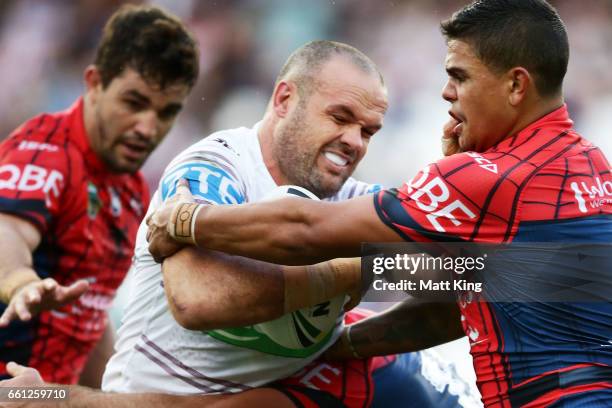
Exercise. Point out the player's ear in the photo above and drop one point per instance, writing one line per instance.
(519, 81)
(281, 99)
(93, 80)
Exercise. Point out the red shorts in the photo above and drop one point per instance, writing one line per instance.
(334, 384)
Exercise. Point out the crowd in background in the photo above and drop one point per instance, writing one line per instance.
(44, 46)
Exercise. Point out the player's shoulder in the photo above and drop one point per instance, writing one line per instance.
(469, 168)
(45, 133)
(229, 142)
(44, 127)
(226, 148)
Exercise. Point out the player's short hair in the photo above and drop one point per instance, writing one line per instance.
(151, 41)
(305, 62)
(510, 33)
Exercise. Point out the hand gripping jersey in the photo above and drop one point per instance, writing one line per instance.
(154, 353)
(87, 217)
(546, 184)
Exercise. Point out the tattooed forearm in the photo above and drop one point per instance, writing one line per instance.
(409, 326)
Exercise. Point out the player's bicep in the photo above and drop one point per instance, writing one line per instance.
(211, 290)
(20, 228)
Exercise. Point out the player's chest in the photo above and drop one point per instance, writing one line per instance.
(103, 217)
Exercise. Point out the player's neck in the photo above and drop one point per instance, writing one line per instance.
(89, 120)
(537, 110)
(266, 143)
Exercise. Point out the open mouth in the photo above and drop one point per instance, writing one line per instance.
(338, 160)
(459, 126)
(135, 150)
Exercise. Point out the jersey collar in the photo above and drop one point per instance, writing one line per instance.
(80, 137)
(558, 119)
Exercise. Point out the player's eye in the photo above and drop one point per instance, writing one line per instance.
(168, 114)
(339, 119)
(367, 133)
(134, 104)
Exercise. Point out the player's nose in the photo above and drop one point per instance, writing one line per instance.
(147, 125)
(449, 93)
(352, 138)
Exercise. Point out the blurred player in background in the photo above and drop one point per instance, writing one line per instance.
(72, 197)
(538, 181)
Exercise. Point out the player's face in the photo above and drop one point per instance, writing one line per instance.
(478, 97)
(320, 143)
(132, 116)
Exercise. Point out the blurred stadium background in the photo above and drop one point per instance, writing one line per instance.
(45, 45)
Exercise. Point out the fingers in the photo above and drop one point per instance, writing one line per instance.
(49, 284)
(182, 190)
(14, 369)
(22, 309)
(449, 128)
(8, 315)
(65, 294)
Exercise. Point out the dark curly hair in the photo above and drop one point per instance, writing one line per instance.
(151, 41)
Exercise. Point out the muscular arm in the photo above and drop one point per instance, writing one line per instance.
(18, 238)
(292, 231)
(412, 325)
(212, 290)
(20, 287)
(81, 397)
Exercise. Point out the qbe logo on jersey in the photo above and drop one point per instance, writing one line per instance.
(31, 178)
(434, 197)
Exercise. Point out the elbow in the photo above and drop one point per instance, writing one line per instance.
(186, 315)
(217, 314)
(196, 319)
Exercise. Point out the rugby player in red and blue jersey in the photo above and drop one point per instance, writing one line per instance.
(521, 174)
(71, 196)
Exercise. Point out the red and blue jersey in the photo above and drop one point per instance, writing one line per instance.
(87, 217)
(545, 184)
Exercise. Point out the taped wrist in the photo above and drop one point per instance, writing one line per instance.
(313, 284)
(15, 281)
(181, 226)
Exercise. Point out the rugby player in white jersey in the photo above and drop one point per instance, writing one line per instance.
(193, 328)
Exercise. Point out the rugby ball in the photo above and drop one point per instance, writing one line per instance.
(299, 334)
(305, 328)
(287, 191)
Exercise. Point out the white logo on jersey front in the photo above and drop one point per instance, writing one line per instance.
(30, 145)
(599, 193)
(483, 163)
(438, 195)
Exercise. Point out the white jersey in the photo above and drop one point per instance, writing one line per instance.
(154, 353)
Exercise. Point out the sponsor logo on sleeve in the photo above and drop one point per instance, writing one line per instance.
(594, 194)
(31, 178)
(433, 197)
(206, 182)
